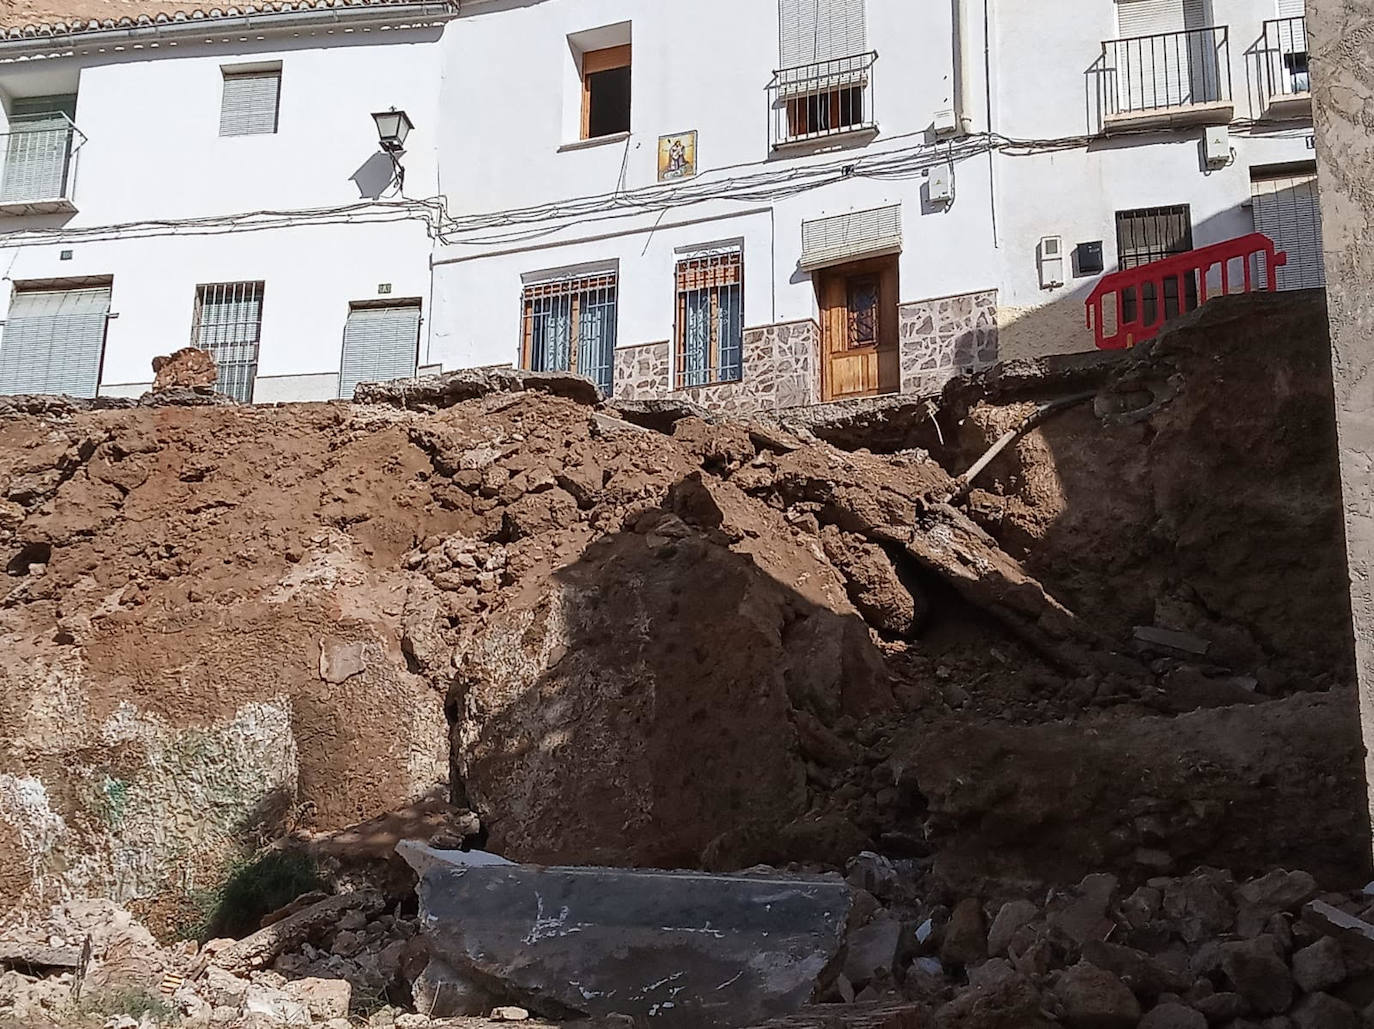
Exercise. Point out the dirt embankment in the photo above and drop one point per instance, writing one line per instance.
(714, 645)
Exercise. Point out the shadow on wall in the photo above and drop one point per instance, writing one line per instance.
(1060, 326)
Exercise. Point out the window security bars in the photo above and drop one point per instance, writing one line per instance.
(828, 98)
(710, 319)
(1151, 234)
(39, 155)
(1283, 59)
(1168, 69)
(569, 326)
(228, 324)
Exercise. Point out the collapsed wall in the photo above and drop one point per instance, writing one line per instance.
(707, 644)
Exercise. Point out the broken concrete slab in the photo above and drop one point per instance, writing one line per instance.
(1171, 639)
(682, 948)
(1331, 920)
(449, 388)
(341, 660)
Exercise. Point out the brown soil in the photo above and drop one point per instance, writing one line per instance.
(723, 644)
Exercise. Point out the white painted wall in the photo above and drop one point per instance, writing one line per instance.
(153, 151)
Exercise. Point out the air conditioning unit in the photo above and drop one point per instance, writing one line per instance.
(941, 184)
(1051, 262)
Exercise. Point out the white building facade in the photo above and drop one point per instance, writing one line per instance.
(752, 204)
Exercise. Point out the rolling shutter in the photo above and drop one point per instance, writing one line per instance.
(380, 344)
(1292, 8)
(249, 105)
(1285, 210)
(849, 237)
(38, 150)
(810, 31)
(1151, 17)
(53, 341)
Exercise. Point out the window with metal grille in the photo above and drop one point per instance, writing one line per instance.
(250, 102)
(861, 311)
(710, 319)
(228, 324)
(53, 340)
(569, 326)
(380, 343)
(1152, 234)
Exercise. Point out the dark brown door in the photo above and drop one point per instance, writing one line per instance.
(858, 304)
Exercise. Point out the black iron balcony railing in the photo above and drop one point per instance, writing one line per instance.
(816, 101)
(1169, 70)
(1283, 61)
(38, 163)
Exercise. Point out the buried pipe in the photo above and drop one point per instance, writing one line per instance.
(964, 483)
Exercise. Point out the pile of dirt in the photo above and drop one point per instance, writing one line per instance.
(711, 643)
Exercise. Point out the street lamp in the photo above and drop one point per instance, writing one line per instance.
(392, 128)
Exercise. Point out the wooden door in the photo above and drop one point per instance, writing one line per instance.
(858, 304)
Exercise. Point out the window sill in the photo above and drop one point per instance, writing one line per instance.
(587, 144)
(860, 135)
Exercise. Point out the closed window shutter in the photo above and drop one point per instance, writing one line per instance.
(1292, 8)
(53, 340)
(1285, 209)
(810, 31)
(250, 103)
(379, 345)
(1149, 17)
(848, 237)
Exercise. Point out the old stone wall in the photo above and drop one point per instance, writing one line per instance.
(945, 337)
(781, 370)
(1341, 42)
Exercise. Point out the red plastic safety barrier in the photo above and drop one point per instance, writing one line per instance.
(1143, 303)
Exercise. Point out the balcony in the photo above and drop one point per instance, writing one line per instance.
(1281, 60)
(821, 102)
(1172, 78)
(38, 165)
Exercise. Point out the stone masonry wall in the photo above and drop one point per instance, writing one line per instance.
(1339, 39)
(945, 337)
(781, 369)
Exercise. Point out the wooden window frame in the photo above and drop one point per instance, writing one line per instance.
(727, 271)
(594, 61)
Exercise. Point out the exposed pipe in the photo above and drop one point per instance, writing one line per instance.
(963, 66)
(964, 483)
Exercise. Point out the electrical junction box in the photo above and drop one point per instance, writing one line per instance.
(941, 184)
(1051, 262)
(1088, 258)
(1216, 146)
(945, 123)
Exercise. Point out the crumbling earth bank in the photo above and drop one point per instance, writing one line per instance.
(716, 645)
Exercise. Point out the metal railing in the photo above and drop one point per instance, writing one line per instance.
(815, 101)
(1132, 305)
(228, 324)
(1283, 60)
(38, 159)
(1167, 70)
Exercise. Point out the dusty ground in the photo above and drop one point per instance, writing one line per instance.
(716, 645)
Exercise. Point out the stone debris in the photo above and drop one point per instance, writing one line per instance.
(187, 368)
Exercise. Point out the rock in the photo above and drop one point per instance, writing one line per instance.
(187, 368)
(341, 660)
(509, 1013)
(1319, 966)
(965, 940)
(1219, 1008)
(1257, 901)
(1146, 976)
(262, 947)
(1355, 932)
(873, 584)
(1323, 1011)
(1173, 1016)
(441, 991)
(1095, 999)
(223, 989)
(299, 904)
(346, 943)
(37, 958)
(603, 940)
(871, 951)
(870, 871)
(1199, 905)
(1172, 640)
(274, 1006)
(324, 998)
(1259, 973)
(1081, 913)
(722, 724)
(449, 388)
(990, 973)
(1010, 917)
